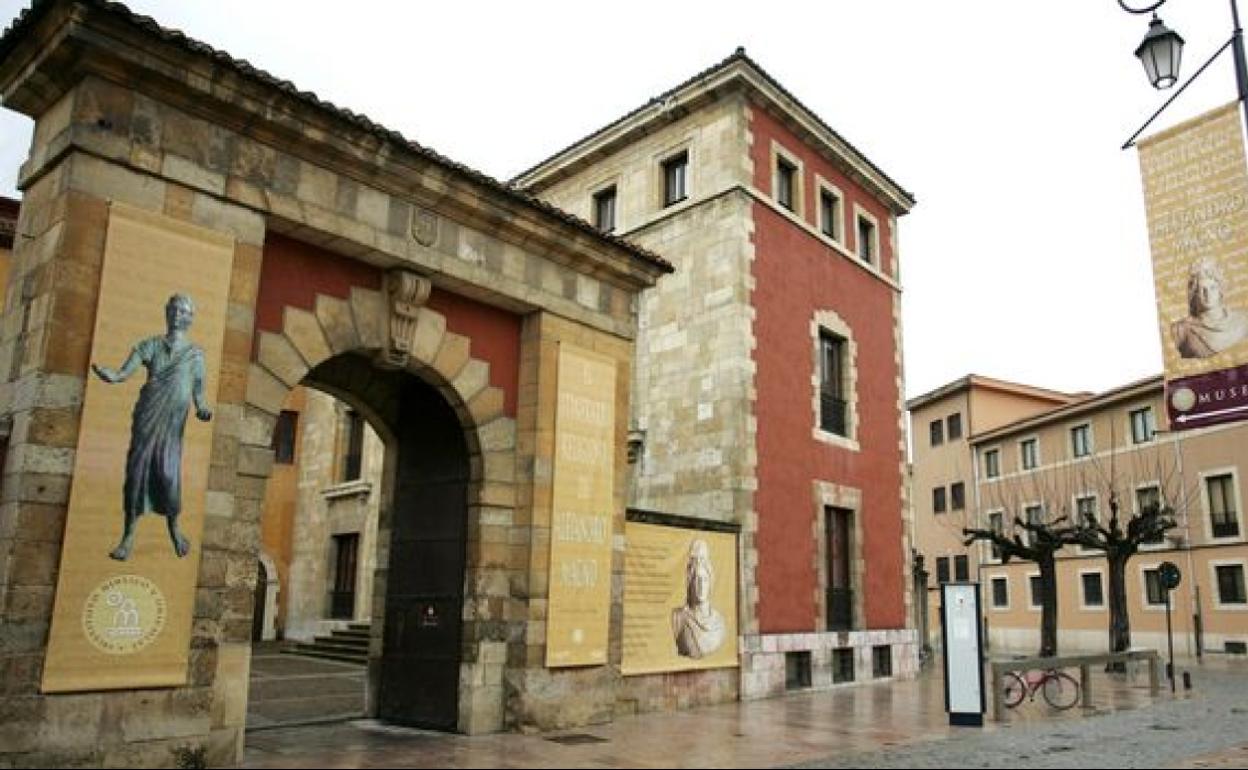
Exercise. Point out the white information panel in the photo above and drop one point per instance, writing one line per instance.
(964, 657)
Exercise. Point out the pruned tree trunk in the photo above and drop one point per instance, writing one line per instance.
(1119, 617)
(1048, 606)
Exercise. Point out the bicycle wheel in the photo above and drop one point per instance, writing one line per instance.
(1061, 690)
(1013, 688)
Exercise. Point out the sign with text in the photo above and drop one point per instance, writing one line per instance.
(1196, 198)
(680, 599)
(582, 510)
(125, 593)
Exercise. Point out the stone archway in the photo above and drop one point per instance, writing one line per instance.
(359, 349)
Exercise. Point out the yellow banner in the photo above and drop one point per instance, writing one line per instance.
(680, 599)
(1196, 196)
(582, 510)
(123, 611)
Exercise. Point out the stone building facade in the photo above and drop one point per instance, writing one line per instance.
(768, 384)
(361, 264)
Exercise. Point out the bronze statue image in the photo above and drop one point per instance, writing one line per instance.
(175, 377)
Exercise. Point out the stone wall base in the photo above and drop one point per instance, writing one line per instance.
(764, 658)
(676, 690)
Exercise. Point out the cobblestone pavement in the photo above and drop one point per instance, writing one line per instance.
(1207, 727)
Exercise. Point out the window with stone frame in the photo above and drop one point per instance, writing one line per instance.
(953, 426)
(1149, 498)
(942, 569)
(1093, 587)
(867, 246)
(1223, 517)
(992, 463)
(830, 214)
(1142, 426)
(938, 500)
(961, 569)
(604, 209)
(1154, 592)
(675, 178)
(1000, 592)
(1230, 584)
(833, 405)
(936, 432)
(996, 522)
(351, 463)
(957, 496)
(1029, 453)
(1081, 440)
(786, 183)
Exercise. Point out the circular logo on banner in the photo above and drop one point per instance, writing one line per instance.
(1183, 400)
(124, 614)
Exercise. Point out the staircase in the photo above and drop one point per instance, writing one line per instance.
(347, 645)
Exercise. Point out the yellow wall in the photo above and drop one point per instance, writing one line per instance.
(277, 518)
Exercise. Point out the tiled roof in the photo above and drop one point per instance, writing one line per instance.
(27, 18)
(737, 56)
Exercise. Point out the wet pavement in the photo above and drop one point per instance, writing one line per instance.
(295, 690)
(881, 724)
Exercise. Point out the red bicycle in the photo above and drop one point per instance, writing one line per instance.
(1061, 690)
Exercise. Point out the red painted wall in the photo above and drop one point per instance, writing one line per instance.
(796, 274)
(294, 272)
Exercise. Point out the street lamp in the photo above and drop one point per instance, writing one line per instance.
(1162, 50)
(1160, 53)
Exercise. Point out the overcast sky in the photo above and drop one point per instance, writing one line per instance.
(1026, 257)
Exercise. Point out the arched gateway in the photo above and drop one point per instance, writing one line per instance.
(318, 249)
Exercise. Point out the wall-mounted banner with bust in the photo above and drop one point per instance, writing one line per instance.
(130, 558)
(680, 599)
(1196, 198)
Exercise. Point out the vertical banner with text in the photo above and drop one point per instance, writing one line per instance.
(1196, 198)
(123, 610)
(582, 510)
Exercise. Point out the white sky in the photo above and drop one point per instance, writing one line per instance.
(1026, 257)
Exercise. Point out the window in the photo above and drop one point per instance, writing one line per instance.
(1085, 509)
(1034, 515)
(938, 500)
(882, 661)
(842, 666)
(957, 494)
(675, 178)
(992, 463)
(961, 569)
(604, 209)
(996, 522)
(838, 526)
(954, 426)
(1149, 499)
(942, 569)
(1001, 593)
(1093, 590)
(1222, 514)
(1231, 584)
(797, 670)
(786, 182)
(936, 432)
(830, 214)
(1142, 427)
(284, 437)
(1029, 453)
(1154, 595)
(342, 594)
(1081, 441)
(832, 405)
(353, 455)
(866, 240)
(1036, 588)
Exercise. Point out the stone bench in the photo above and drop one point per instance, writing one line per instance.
(1084, 664)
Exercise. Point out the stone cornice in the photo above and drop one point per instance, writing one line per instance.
(57, 43)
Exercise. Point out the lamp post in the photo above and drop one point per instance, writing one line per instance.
(1161, 53)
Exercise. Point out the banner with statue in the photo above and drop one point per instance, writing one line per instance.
(125, 592)
(680, 599)
(1196, 198)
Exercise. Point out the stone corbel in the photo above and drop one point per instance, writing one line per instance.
(407, 293)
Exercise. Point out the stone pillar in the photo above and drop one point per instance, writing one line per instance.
(45, 342)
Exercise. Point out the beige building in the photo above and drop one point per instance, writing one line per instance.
(1068, 460)
(943, 480)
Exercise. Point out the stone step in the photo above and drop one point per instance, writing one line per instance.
(314, 651)
(335, 646)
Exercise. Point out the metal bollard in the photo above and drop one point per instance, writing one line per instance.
(1187, 680)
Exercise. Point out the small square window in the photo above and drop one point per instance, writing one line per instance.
(830, 214)
(797, 670)
(1029, 452)
(954, 426)
(936, 432)
(882, 661)
(675, 178)
(1231, 584)
(1093, 589)
(961, 569)
(842, 666)
(992, 463)
(942, 569)
(938, 500)
(957, 494)
(604, 209)
(786, 183)
(866, 240)
(1142, 426)
(1000, 592)
(1036, 588)
(1081, 441)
